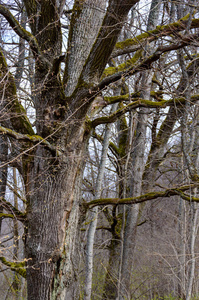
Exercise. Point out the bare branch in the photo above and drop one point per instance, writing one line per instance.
(26, 35)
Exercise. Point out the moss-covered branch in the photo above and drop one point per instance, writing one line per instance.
(147, 197)
(136, 43)
(116, 99)
(10, 106)
(24, 34)
(8, 216)
(35, 139)
(17, 267)
(116, 73)
(12, 210)
(140, 103)
(124, 66)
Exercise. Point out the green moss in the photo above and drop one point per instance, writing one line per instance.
(118, 226)
(134, 41)
(19, 118)
(15, 266)
(2, 215)
(22, 118)
(88, 125)
(154, 34)
(3, 64)
(114, 147)
(153, 104)
(124, 66)
(143, 36)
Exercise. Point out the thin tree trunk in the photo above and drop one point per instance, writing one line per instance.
(3, 171)
(194, 229)
(194, 214)
(136, 167)
(3, 154)
(182, 250)
(112, 279)
(21, 55)
(17, 279)
(94, 214)
(125, 183)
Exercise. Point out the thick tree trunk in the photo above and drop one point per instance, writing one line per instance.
(53, 193)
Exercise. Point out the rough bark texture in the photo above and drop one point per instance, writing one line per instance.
(87, 20)
(53, 214)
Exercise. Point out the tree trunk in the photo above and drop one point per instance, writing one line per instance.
(3, 170)
(136, 166)
(112, 272)
(136, 170)
(182, 249)
(53, 218)
(194, 230)
(17, 278)
(194, 213)
(94, 214)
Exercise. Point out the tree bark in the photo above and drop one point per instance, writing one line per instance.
(53, 219)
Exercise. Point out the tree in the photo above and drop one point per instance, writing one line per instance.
(51, 161)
